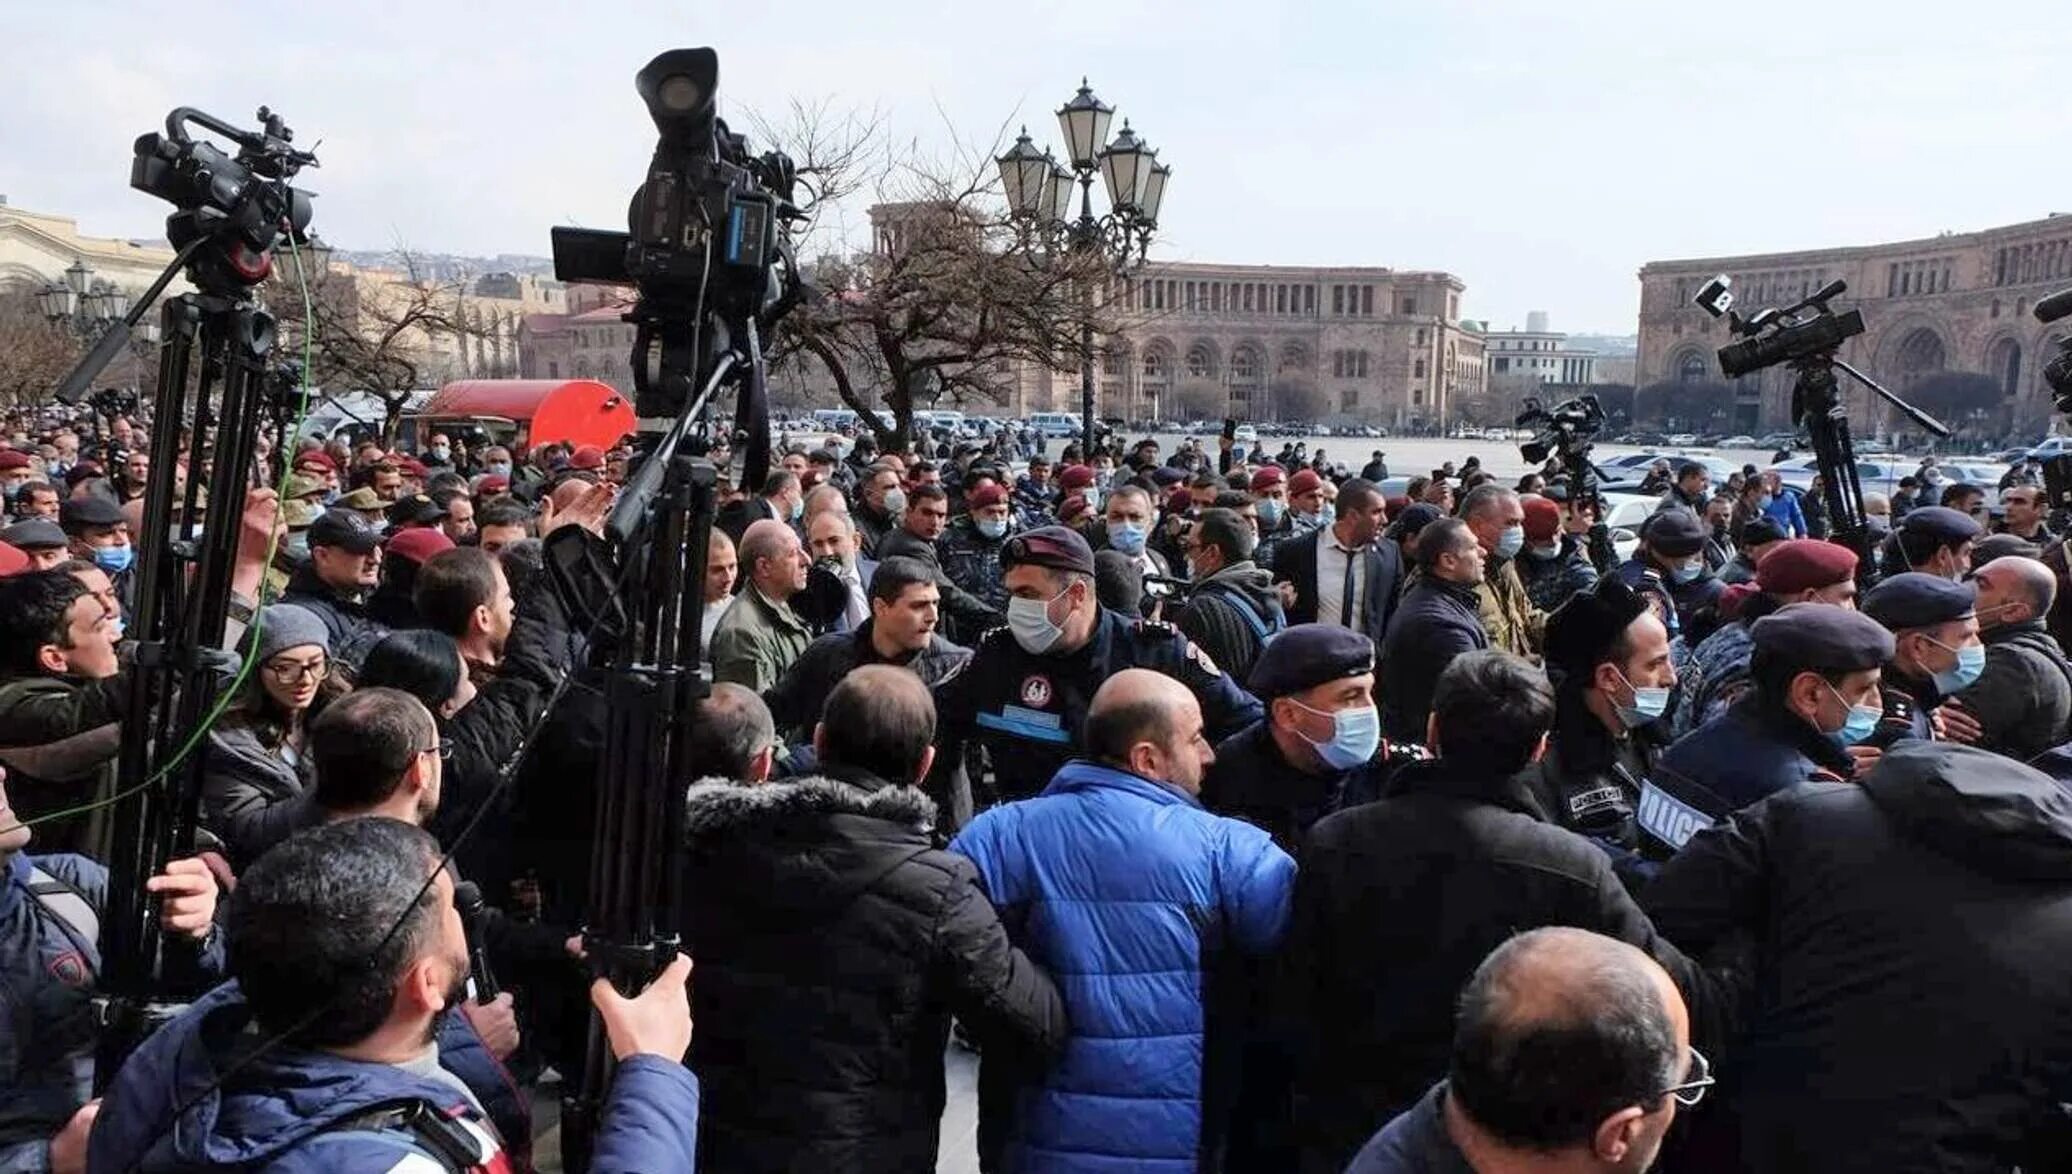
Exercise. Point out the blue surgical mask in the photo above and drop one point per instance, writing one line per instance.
(114, 559)
(1648, 704)
(1510, 542)
(1861, 723)
(992, 527)
(1127, 537)
(895, 500)
(1763, 500)
(1355, 736)
(1028, 620)
(1545, 553)
(1971, 661)
(1327, 514)
(499, 468)
(1687, 572)
(295, 549)
(1270, 511)
(441, 452)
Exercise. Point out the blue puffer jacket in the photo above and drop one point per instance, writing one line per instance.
(282, 1112)
(46, 1009)
(1126, 891)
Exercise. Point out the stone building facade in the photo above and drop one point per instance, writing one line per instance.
(1369, 345)
(36, 248)
(1955, 302)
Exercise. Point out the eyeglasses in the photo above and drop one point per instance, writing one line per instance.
(289, 672)
(1691, 1091)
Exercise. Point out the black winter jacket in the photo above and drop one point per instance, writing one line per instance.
(965, 615)
(248, 791)
(1435, 622)
(1396, 904)
(1911, 932)
(1216, 617)
(2023, 699)
(353, 629)
(796, 700)
(834, 941)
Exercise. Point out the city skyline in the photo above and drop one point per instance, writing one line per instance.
(1542, 153)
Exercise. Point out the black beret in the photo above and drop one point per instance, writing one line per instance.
(1579, 631)
(1987, 549)
(1167, 475)
(80, 513)
(1821, 637)
(1757, 531)
(1058, 547)
(1918, 600)
(1308, 655)
(1946, 526)
(1676, 532)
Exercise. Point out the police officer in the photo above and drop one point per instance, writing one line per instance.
(1672, 550)
(1714, 673)
(1319, 747)
(1608, 657)
(1936, 648)
(1024, 694)
(1815, 700)
(1933, 539)
(970, 549)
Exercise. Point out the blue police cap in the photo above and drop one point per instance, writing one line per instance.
(1821, 637)
(1308, 655)
(1946, 526)
(1676, 532)
(1917, 600)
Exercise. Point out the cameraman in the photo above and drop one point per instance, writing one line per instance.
(1233, 608)
(340, 947)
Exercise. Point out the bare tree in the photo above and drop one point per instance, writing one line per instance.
(384, 332)
(955, 299)
(34, 355)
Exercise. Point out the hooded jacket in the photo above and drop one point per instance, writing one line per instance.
(1134, 896)
(834, 941)
(1230, 616)
(1910, 934)
(286, 1111)
(248, 790)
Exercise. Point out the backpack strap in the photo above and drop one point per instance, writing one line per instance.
(66, 905)
(1262, 627)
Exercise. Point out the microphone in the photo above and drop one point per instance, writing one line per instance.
(467, 901)
(2054, 307)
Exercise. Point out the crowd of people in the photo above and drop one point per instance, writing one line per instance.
(1239, 813)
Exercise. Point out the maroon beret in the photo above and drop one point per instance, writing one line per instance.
(1056, 547)
(1803, 564)
(13, 458)
(1304, 481)
(1267, 478)
(988, 494)
(1075, 477)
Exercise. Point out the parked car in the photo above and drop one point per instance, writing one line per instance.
(2051, 446)
(1623, 514)
(1682, 440)
(1738, 442)
(1776, 440)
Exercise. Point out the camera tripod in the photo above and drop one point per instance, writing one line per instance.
(1816, 402)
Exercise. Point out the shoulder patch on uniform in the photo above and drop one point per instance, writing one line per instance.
(1207, 662)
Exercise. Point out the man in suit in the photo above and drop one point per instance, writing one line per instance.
(831, 536)
(1342, 574)
(781, 499)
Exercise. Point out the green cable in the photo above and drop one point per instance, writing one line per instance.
(251, 658)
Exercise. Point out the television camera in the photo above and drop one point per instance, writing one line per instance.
(1805, 336)
(2057, 373)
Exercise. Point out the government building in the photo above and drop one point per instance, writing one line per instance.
(1955, 302)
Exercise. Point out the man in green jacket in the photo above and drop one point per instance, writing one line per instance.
(760, 636)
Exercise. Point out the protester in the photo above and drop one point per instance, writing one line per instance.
(1400, 900)
(100, 535)
(879, 506)
(901, 631)
(926, 517)
(1715, 672)
(42, 540)
(50, 960)
(1555, 564)
(1437, 621)
(257, 759)
(345, 945)
(344, 566)
(1341, 574)
(760, 637)
(718, 592)
(1024, 694)
(1232, 608)
(462, 592)
(61, 697)
(2021, 702)
(840, 903)
(1899, 927)
(1571, 1052)
(1116, 877)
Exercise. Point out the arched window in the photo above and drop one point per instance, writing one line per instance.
(1294, 357)
(1920, 354)
(1244, 365)
(2005, 363)
(1201, 362)
(1154, 365)
(1692, 369)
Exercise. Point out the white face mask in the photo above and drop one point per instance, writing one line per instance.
(1029, 621)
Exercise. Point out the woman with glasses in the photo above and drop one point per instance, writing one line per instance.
(255, 765)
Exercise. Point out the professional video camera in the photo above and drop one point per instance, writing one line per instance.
(2057, 470)
(704, 246)
(1567, 427)
(1805, 336)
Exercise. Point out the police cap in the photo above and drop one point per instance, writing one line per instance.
(34, 534)
(1056, 547)
(1308, 655)
(415, 510)
(1818, 637)
(346, 529)
(1760, 532)
(86, 513)
(1947, 527)
(1918, 600)
(1676, 532)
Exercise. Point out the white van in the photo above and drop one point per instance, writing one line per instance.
(1049, 424)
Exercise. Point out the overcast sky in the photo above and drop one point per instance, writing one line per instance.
(1540, 149)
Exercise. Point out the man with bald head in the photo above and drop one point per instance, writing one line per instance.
(1571, 1052)
(760, 635)
(1117, 876)
(2022, 700)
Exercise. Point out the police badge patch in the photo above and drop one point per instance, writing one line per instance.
(1036, 691)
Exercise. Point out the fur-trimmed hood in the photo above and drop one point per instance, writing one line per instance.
(806, 844)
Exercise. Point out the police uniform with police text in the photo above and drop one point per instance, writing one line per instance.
(1027, 708)
(1903, 602)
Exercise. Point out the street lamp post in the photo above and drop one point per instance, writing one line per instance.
(84, 305)
(1039, 193)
